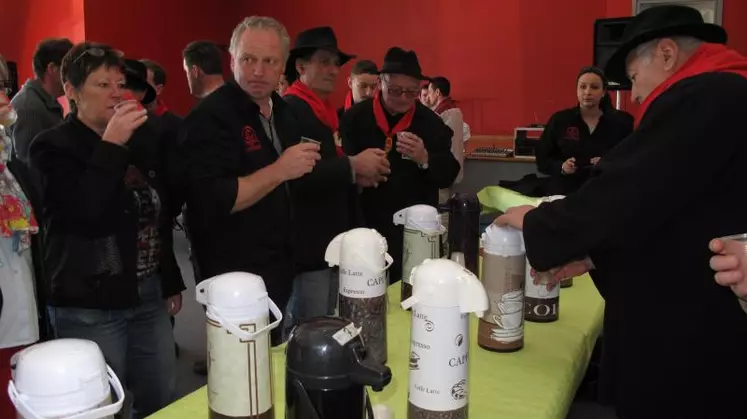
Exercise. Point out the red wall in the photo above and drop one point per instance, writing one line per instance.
(511, 62)
(24, 23)
(159, 30)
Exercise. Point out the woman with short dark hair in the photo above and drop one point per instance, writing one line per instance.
(109, 243)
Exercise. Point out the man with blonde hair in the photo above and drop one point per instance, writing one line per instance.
(237, 148)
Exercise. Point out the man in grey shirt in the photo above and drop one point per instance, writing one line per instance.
(36, 103)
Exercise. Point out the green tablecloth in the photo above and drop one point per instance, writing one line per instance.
(496, 198)
(536, 382)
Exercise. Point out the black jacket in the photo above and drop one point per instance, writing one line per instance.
(567, 135)
(90, 218)
(645, 218)
(408, 184)
(223, 139)
(325, 199)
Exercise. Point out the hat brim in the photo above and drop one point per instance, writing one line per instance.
(290, 64)
(142, 85)
(404, 72)
(616, 70)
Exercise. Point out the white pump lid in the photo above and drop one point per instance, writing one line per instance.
(445, 283)
(503, 241)
(237, 297)
(359, 245)
(420, 217)
(63, 378)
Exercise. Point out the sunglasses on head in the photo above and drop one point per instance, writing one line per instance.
(97, 52)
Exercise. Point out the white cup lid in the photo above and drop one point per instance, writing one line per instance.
(445, 283)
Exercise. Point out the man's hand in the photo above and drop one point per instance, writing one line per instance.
(371, 163)
(297, 161)
(569, 166)
(572, 269)
(595, 160)
(729, 264)
(514, 216)
(412, 146)
(174, 304)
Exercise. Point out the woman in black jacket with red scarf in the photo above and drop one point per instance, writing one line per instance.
(109, 245)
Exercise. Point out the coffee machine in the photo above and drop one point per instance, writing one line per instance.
(327, 369)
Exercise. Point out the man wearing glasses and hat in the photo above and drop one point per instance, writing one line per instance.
(674, 340)
(415, 140)
(328, 193)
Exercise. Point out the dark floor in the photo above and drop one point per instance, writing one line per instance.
(190, 335)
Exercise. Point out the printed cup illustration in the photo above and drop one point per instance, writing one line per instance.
(508, 321)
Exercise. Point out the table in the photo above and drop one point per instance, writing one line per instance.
(536, 382)
(481, 171)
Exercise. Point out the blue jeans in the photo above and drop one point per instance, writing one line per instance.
(314, 294)
(138, 344)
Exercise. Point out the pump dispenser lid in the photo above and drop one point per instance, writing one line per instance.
(445, 283)
(420, 217)
(327, 353)
(503, 241)
(365, 243)
(63, 377)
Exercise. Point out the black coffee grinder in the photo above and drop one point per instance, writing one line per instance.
(464, 230)
(326, 372)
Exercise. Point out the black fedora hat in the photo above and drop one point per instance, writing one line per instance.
(660, 22)
(399, 61)
(136, 78)
(311, 40)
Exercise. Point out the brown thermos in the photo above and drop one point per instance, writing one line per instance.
(503, 272)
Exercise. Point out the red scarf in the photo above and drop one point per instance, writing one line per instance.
(444, 106)
(323, 110)
(348, 101)
(160, 108)
(709, 58)
(383, 124)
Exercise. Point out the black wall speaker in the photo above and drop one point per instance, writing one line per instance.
(607, 38)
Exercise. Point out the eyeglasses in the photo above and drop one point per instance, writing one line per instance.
(97, 52)
(397, 91)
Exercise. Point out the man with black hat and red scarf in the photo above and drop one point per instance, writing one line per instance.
(674, 340)
(420, 157)
(324, 200)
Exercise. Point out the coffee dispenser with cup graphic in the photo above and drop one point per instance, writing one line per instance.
(422, 239)
(238, 345)
(64, 378)
(503, 273)
(327, 369)
(362, 256)
(444, 293)
(464, 230)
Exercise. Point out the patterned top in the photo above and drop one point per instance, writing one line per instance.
(17, 219)
(148, 206)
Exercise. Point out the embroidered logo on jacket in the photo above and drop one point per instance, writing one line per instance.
(572, 133)
(251, 141)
